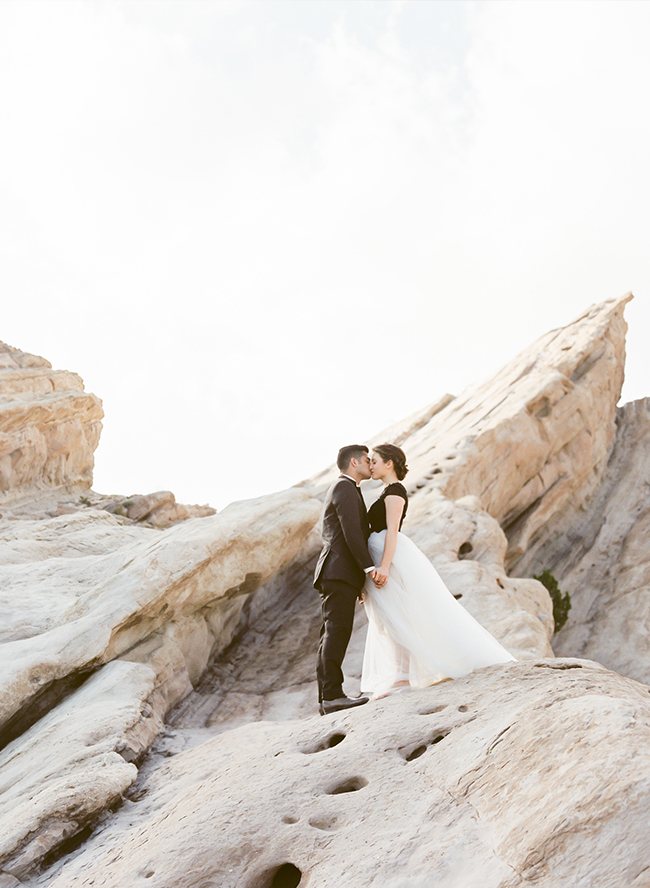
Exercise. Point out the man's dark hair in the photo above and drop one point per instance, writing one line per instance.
(349, 452)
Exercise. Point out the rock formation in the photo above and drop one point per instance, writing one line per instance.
(601, 557)
(82, 590)
(537, 772)
(49, 427)
(119, 635)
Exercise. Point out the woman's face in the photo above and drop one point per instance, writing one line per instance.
(378, 468)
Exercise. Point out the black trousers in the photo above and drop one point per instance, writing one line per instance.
(338, 600)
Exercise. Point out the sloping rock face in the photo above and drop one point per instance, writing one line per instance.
(533, 442)
(112, 622)
(535, 772)
(602, 557)
(528, 447)
(81, 590)
(49, 427)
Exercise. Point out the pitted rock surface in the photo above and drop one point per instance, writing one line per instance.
(532, 772)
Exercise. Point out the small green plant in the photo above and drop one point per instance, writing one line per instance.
(561, 602)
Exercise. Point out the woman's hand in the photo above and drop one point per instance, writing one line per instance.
(381, 576)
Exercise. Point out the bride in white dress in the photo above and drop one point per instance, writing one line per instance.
(418, 634)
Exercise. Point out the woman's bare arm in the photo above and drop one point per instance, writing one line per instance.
(394, 510)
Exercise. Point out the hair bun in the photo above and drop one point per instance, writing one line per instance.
(398, 457)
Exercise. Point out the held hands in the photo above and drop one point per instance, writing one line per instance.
(379, 576)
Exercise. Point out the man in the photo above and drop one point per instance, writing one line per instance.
(341, 573)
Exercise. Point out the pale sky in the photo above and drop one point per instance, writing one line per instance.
(261, 229)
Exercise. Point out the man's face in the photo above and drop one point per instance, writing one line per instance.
(363, 466)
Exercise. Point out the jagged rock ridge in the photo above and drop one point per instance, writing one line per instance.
(528, 450)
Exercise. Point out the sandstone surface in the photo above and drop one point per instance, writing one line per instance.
(527, 447)
(531, 773)
(533, 441)
(602, 557)
(81, 590)
(49, 427)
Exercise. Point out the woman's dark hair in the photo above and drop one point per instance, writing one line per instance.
(392, 451)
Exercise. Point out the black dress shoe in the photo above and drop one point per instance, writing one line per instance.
(328, 706)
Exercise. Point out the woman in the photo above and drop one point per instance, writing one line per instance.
(418, 634)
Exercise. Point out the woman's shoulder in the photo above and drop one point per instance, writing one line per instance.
(396, 489)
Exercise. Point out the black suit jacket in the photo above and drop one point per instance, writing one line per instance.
(345, 536)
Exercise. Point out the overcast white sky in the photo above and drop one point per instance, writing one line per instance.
(263, 229)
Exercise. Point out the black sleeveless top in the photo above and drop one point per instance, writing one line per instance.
(377, 511)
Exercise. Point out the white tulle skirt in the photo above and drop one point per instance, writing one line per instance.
(417, 632)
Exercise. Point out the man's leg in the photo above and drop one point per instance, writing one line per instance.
(338, 600)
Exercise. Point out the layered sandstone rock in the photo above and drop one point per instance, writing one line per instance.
(601, 556)
(533, 442)
(112, 622)
(86, 589)
(49, 427)
(525, 448)
(532, 772)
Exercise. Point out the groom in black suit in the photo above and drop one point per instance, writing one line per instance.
(341, 573)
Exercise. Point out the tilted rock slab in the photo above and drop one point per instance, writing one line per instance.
(535, 772)
(524, 451)
(531, 442)
(78, 760)
(81, 590)
(602, 557)
(49, 427)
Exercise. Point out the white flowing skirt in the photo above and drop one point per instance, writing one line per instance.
(417, 631)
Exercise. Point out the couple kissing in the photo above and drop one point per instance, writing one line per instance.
(418, 634)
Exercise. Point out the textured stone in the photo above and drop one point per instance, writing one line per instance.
(601, 556)
(159, 509)
(76, 761)
(532, 443)
(83, 589)
(49, 427)
(532, 772)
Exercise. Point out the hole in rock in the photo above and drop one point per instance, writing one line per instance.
(462, 708)
(285, 876)
(324, 823)
(289, 819)
(557, 665)
(465, 549)
(459, 595)
(352, 784)
(436, 471)
(417, 751)
(500, 584)
(432, 710)
(327, 743)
